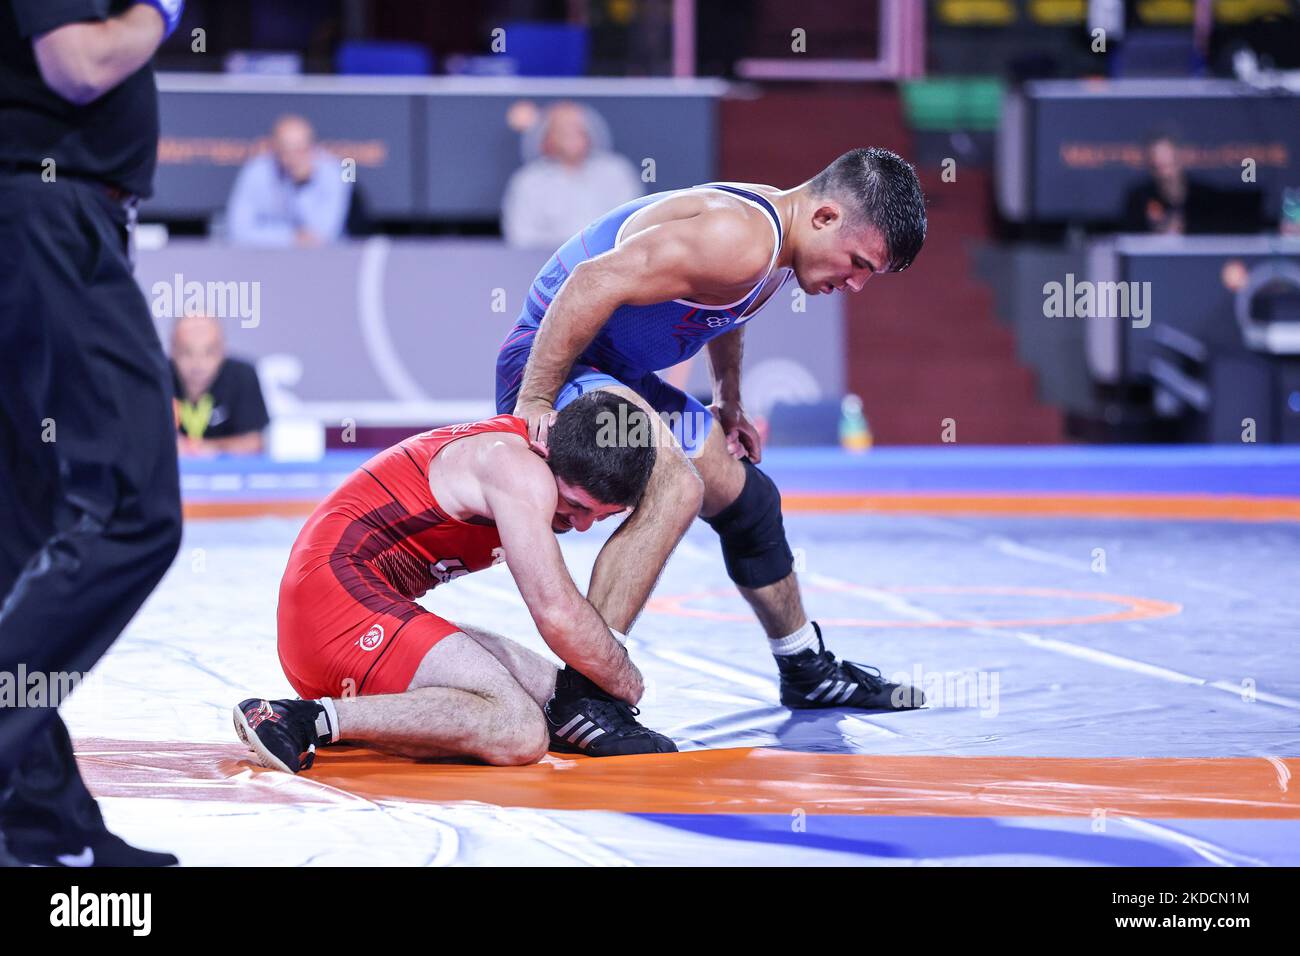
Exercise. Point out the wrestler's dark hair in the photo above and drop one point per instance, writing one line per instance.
(879, 188)
(605, 445)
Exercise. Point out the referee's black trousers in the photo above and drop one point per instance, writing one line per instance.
(90, 514)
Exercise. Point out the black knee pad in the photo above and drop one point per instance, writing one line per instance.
(754, 548)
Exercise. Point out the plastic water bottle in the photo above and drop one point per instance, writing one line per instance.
(855, 434)
(1290, 225)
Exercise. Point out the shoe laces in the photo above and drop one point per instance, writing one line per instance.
(615, 712)
(303, 722)
(870, 677)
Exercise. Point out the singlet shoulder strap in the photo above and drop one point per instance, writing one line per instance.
(758, 200)
(743, 194)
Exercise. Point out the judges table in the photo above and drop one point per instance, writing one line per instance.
(1069, 150)
(1213, 323)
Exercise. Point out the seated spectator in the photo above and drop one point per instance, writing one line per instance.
(1172, 203)
(295, 194)
(1160, 204)
(574, 179)
(218, 399)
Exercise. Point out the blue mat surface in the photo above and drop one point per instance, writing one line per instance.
(1258, 470)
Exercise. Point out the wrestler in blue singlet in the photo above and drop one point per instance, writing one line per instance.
(638, 340)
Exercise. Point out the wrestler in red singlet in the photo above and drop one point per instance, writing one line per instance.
(348, 622)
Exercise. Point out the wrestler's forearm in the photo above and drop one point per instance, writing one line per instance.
(566, 620)
(572, 321)
(725, 354)
(548, 364)
(584, 642)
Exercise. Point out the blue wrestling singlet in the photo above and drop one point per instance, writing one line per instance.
(638, 340)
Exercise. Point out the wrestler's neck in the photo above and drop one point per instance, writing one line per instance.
(790, 204)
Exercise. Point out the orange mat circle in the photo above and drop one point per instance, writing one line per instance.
(1131, 608)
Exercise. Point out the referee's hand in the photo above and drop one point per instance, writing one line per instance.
(170, 11)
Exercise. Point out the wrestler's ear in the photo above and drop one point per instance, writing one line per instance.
(539, 449)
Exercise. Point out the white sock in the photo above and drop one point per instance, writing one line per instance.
(801, 640)
(327, 722)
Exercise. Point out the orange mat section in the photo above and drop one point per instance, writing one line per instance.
(1162, 507)
(723, 781)
(247, 509)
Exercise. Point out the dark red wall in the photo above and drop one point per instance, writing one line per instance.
(923, 345)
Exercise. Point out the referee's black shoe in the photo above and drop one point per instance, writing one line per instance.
(97, 847)
(583, 719)
(816, 679)
(34, 835)
(7, 858)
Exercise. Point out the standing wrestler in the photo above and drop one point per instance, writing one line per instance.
(655, 281)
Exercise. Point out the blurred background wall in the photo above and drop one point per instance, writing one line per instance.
(1031, 123)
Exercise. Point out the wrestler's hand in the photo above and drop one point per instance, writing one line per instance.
(540, 415)
(633, 683)
(743, 440)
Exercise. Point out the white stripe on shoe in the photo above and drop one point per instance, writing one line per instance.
(573, 737)
(814, 694)
(580, 731)
(570, 725)
(848, 692)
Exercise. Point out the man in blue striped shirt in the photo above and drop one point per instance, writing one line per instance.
(295, 194)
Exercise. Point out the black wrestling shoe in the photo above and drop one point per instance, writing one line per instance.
(283, 734)
(583, 719)
(816, 679)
